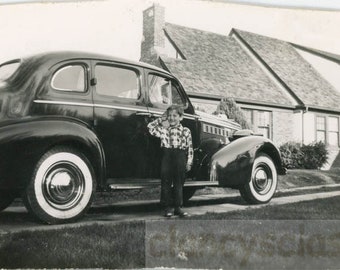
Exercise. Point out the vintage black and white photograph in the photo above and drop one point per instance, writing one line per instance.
(184, 134)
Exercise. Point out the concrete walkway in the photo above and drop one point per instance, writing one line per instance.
(16, 219)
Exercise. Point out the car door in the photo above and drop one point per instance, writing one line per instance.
(67, 92)
(120, 118)
(163, 91)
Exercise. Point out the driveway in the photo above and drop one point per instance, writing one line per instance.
(16, 218)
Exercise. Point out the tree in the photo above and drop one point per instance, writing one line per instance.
(233, 111)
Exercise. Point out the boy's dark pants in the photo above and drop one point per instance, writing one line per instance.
(172, 173)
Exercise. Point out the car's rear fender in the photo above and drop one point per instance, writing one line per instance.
(23, 142)
(232, 165)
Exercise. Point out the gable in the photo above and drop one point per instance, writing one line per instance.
(299, 75)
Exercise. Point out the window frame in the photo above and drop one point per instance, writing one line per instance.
(126, 67)
(17, 62)
(327, 129)
(337, 132)
(172, 82)
(321, 130)
(70, 91)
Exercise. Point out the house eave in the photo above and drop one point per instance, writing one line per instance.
(320, 109)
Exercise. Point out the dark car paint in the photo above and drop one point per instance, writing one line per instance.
(25, 141)
(27, 95)
(233, 163)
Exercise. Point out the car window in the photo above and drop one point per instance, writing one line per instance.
(117, 82)
(70, 78)
(7, 70)
(163, 91)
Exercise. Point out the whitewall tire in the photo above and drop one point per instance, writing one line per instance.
(62, 186)
(262, 185)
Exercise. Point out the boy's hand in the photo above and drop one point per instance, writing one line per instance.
(188, 167)
(165, 122)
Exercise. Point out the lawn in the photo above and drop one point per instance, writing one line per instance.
(122, 245)
(94, 246)
(319, 209)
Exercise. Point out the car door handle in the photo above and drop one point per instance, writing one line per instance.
(143, 114)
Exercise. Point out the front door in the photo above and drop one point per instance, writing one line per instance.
(164, 91)
(120, 118)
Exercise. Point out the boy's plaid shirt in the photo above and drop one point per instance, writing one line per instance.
(173, 137)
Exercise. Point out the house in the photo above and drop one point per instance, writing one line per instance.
(284, 89)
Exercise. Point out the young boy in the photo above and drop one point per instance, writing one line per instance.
(176, 143)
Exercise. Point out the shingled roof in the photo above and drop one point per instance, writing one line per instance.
(217, 65)
(301, 78)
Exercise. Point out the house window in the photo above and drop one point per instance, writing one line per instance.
(321, 129)
(333, 130)
(248, 114)
(260, 121)
(263, 125)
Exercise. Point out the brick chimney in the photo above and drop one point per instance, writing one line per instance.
(153, 42)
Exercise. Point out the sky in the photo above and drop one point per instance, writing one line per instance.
(306, 4)
(114, 27)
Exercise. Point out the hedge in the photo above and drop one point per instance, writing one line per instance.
(296, 156)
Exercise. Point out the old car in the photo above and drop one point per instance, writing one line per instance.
(74, 123)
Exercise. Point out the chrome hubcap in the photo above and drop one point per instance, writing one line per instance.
(262, 179)
(63, 185)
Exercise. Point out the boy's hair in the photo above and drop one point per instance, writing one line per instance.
(177, 108)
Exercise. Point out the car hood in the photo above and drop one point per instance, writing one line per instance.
(219, 120)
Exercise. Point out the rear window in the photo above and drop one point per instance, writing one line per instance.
(7, 70)
(70, 78)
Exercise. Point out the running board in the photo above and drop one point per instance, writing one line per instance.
(156, 183)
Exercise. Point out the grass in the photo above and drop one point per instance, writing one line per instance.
(96, 246)
(122, 245)
(319, 209)
(301, 178)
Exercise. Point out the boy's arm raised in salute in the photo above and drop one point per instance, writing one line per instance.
(155, 127)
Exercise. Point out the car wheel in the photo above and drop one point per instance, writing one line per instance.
(6, 198)
(263, 182)
(62, 186)
(188, 192)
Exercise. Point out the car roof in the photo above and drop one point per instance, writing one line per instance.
(59, 56)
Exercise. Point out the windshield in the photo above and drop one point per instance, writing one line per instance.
(7, 69)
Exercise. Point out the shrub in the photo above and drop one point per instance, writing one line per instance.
(314, 155)
(233, 111)
(291, 154)
(296, 156)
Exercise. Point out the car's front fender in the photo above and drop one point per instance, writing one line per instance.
(23, 142)
(232, 165)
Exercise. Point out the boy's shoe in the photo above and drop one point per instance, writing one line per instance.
(179, 212)
(168, 212)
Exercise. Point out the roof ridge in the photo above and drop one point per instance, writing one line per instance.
(259, 35)
(197, 29)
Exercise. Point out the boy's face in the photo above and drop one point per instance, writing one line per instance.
(174, 118)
